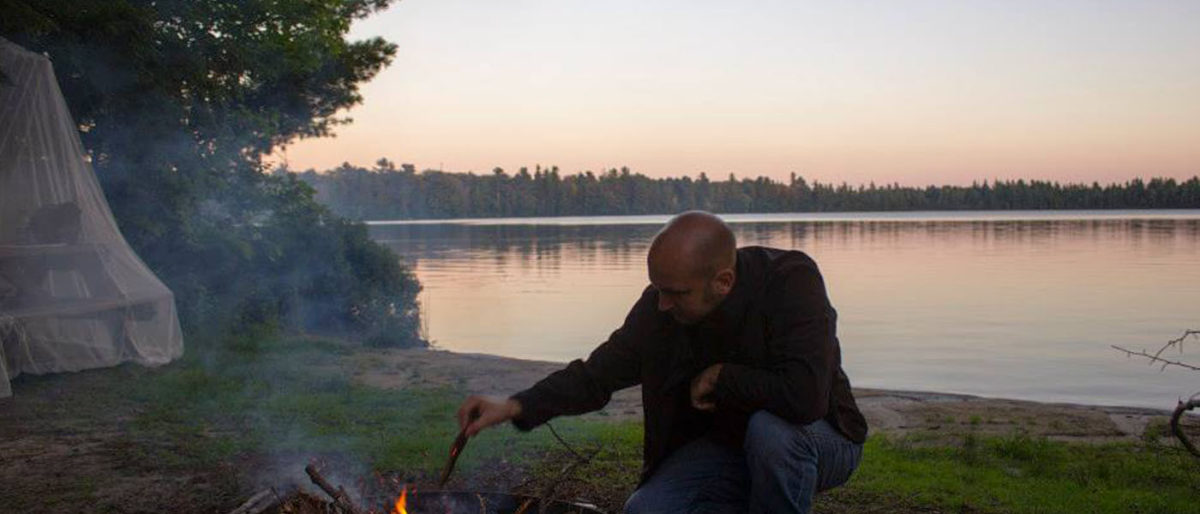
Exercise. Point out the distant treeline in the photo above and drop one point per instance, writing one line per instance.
(388, 192)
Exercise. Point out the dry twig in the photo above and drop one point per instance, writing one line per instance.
(303, 502)
(546, 497)
(1156, 357)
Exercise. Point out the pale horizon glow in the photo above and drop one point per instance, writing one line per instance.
(915, 92)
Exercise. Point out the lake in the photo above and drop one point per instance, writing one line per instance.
(1006, 304)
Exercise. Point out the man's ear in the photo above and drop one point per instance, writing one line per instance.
(723, 281)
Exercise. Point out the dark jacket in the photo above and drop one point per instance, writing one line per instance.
(775, 332)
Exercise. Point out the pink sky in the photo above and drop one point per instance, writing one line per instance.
(915, 92)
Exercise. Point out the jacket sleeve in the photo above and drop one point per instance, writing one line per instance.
(803, 350)
(587, 385)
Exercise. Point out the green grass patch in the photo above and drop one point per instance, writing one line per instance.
(1023, 474)
(292, 397)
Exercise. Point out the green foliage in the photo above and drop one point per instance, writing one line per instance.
(385, 192)
(177, 101)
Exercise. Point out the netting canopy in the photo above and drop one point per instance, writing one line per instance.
(73, 295)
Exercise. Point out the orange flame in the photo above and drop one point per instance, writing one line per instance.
(401, 501)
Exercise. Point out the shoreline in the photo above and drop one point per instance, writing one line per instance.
(820, 216)
(936, 416)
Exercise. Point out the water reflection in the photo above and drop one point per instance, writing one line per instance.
(1007, 307)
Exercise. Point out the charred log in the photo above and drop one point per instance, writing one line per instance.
(340, 498)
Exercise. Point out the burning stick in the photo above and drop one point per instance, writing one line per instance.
(524, 506)
(455, 449)
(340, 498)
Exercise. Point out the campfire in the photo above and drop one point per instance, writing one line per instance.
(410, 500)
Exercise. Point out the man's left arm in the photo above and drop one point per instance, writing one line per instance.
(802, 343)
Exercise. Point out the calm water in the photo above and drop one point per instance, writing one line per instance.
(1012, 304)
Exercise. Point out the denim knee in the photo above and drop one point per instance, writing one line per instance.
(770, 438)
(650, 501)
(635, 504)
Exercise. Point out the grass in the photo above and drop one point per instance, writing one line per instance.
(1009, 474)
(285, 397)
(294, 397)
(1023, 474)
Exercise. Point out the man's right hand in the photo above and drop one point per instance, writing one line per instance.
(480, 412)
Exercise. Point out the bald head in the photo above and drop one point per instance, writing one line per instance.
(697, 241)
(692, 265)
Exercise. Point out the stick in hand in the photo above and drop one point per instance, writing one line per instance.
(455, 450)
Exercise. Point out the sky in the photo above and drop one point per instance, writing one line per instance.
(913, 92)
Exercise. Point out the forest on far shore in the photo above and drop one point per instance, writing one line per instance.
(390, 192)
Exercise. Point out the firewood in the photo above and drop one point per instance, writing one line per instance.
(261, 501)
(524, 506)
(340, 498)
(303, 502)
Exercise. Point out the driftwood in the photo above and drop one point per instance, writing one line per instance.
(340, 498)
(258, 503)
(1183, 406)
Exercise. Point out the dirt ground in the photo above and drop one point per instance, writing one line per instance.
(65, 444)
(63, 449)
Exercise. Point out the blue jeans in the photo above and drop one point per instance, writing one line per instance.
(780, 468)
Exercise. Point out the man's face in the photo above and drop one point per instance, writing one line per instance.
(687, 295)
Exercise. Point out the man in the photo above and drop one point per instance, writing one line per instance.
(746, 406)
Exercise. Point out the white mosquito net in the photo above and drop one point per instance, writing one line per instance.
(73, 295)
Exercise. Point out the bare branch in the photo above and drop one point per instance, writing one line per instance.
(1178, 341)
(1154, 358)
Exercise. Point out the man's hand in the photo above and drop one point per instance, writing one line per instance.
(480, 412)
(703, 386)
